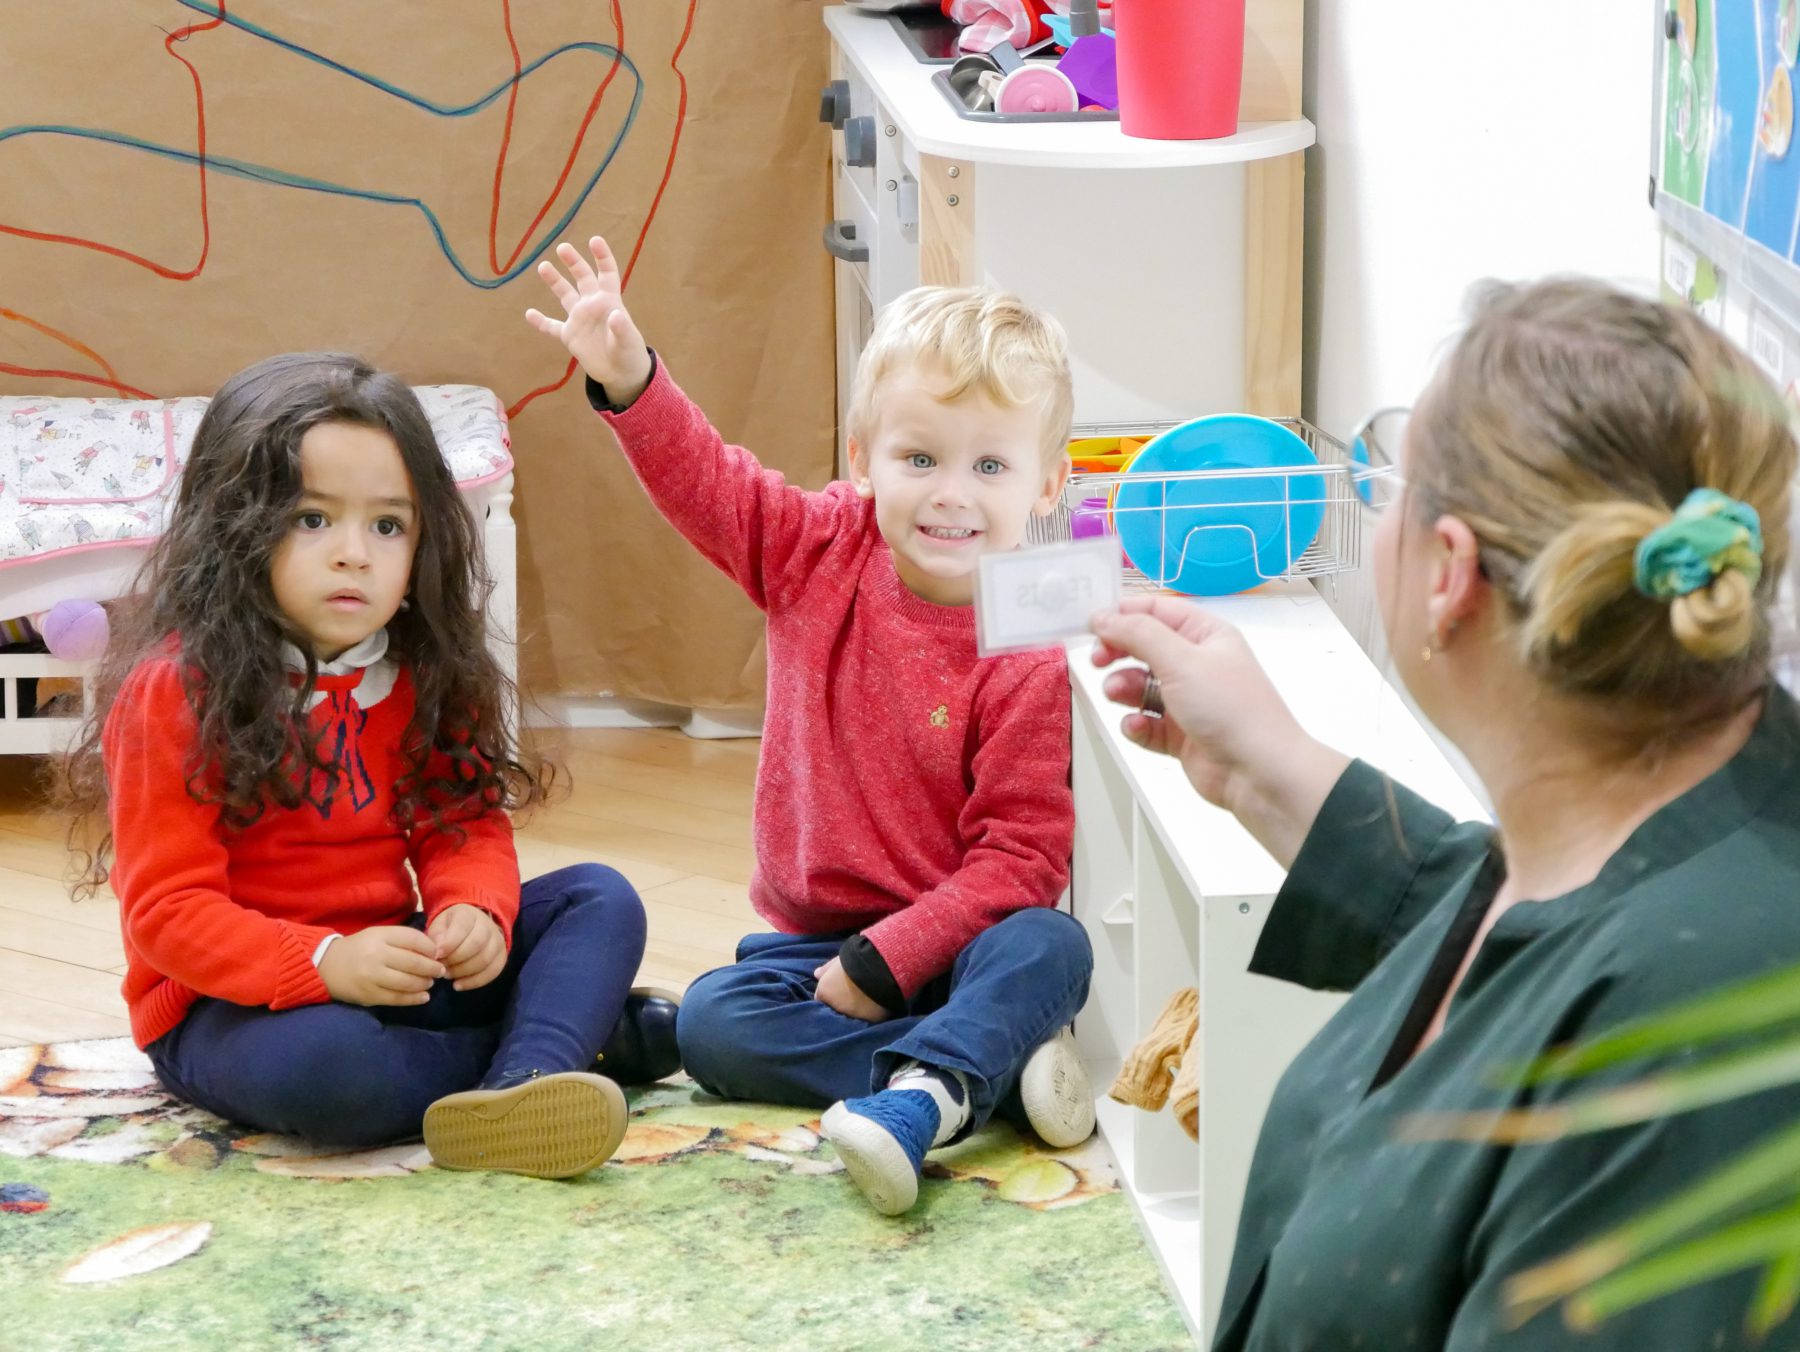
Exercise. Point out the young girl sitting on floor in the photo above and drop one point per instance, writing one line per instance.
(301, 704)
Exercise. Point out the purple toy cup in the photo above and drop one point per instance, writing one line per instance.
(1088, 519)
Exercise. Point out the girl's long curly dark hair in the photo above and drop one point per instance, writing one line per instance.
(206, 587)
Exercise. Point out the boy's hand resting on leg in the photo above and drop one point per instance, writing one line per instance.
(383, 965)
(845, 996)
(469, 944)
(597, 329)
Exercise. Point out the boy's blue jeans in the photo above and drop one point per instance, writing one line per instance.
(352, 1075)
(754, 1030)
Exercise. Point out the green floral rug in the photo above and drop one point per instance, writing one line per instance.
(130, 1220)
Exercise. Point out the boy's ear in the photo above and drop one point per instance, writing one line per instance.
(1054, 482)
(859, 469)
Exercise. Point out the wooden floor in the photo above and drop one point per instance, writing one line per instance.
(670, 813)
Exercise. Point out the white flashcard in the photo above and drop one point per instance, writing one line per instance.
(1036, 598)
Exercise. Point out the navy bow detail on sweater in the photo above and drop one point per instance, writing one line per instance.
(342, 721)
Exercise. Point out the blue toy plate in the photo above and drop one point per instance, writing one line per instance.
(1214, 537)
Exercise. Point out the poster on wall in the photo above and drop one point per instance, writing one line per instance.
(1729, 116)
(1727, 171)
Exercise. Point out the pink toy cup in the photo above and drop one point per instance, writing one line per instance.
(1181, 67)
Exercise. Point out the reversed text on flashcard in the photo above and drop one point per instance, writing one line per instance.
(1038, 598)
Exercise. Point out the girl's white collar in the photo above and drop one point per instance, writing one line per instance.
(369, 657)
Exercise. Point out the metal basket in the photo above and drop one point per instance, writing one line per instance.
(1337, 548)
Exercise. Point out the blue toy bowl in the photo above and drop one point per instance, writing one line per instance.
(1217, 536)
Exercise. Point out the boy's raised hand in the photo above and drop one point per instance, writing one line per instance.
(596, 327)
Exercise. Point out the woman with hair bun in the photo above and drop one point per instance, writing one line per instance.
(1582, 531)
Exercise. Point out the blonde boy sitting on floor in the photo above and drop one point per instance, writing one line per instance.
(913, 814)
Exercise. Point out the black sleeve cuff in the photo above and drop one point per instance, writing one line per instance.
(602, 402)
(864, 965)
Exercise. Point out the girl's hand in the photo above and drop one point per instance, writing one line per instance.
(469, 944)
(597, 329)
(384, 965)
(845, 996)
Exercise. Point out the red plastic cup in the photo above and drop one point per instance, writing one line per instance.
(1181, 67)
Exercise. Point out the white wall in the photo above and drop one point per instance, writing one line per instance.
(1461, 140)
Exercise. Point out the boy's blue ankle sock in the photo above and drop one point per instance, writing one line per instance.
(945, 1088)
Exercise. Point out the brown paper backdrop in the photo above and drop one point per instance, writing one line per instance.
(315, 234)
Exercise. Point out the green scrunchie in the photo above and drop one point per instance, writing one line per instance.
(1709, 534)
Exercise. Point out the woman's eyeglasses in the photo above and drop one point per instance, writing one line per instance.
(1375, 457)
(1375, 466)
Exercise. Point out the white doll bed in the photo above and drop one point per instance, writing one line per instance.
(86, 486)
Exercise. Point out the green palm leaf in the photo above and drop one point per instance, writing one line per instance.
(1749, 1007)
(1663, 1094)
(1762, 1174)
(1760, 1239)
(1777, 1296)
(1718, 1225)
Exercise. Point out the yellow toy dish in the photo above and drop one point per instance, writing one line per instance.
(1112, 494)
(1104, 455)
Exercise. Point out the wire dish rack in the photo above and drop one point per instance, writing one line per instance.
(1334, 489)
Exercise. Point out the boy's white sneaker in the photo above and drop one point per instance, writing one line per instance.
(1059, 1101)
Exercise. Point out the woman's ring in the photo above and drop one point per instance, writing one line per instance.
(1151, 703)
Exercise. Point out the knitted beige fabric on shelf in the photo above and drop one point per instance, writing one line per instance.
(1184, 1098)
(1149, 1071)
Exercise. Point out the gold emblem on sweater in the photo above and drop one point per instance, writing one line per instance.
(940, 716)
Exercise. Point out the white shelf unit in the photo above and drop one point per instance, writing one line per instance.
(1173, 892)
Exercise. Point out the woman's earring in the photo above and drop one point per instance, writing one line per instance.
(406, 603)
(1426, 655)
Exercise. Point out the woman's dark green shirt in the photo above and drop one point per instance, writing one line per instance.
(1353, 1239)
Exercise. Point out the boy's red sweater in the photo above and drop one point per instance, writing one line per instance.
(907, 788)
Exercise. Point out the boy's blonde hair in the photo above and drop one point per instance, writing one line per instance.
(1566, 426)
(984, 341)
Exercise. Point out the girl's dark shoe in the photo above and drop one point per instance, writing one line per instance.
(642, 1047)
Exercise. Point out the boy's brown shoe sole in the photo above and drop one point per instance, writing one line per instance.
(555, 1126)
